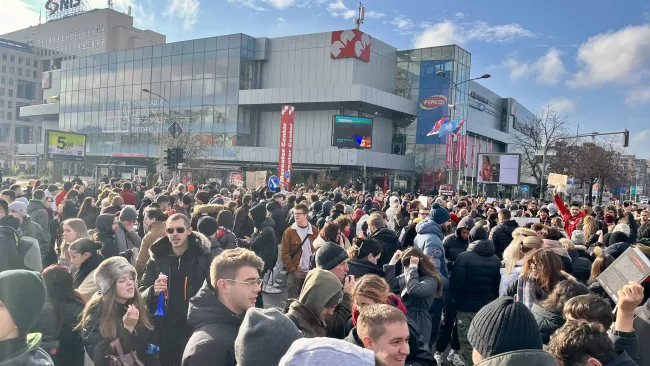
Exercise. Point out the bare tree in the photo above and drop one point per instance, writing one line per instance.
(533, 135)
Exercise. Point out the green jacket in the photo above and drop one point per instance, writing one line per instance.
(33, 355)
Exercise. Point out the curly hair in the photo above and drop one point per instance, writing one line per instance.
(576, 342)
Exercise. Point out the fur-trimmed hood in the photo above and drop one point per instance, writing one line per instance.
(207, 209)
(196, 241)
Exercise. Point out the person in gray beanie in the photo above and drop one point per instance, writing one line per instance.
(126, 236)
(327, 351)
(264, 337)
(504, 332)
(22, 296)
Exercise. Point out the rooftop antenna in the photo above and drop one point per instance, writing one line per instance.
(110, 4)
(129, 10)
(39, 17)
(362, 11)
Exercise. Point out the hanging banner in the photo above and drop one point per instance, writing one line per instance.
(490, 146)
(473, 153)
(464, 153)
(458, 151)
(448, 150)
(287, 118)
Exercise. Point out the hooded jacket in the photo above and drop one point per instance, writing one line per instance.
(211, 210)
(361, 267)
(215, 330)
(279, 215)
(475, 278)
(244, 226)
(126, 240)
(501, 236)
(547, 321)
(32, 355)
(319, 288)
(454, 244)
(528, 357)
(186, 275)
(34, 230)
(106, 235)
(263, 241)
(389, 244)
(314, 212)
(581, 266)
(429, 239)
(37, 211)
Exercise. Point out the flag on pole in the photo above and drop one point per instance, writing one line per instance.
(464, 153)
(448, 151)
(458, 151)
(490, 146)
(436, 127)
(473, 148)
(459, 126)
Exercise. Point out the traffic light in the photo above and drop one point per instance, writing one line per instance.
(179, 156)
(170, 158)
(626, 138)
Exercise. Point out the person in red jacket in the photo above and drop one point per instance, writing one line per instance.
(127, 195)
(571, 216)
(58, 199)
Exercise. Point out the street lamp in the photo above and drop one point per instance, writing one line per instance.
(160, 160)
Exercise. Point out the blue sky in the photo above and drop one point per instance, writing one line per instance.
(590, 60)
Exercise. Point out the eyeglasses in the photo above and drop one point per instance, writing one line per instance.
(298, 213)
(250, 283)
(180, 230)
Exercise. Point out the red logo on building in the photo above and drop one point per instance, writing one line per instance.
(433, 102)
(350, 43)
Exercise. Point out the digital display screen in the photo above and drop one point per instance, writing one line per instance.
(498, 168)
(352, 132)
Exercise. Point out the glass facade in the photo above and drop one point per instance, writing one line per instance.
(199, 81)
(417, 80)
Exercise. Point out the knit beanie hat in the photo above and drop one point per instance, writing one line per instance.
(226, 219)
(321, 351)
(207, 225)
(624, 228)
(67, 186)
(18, 207)
(618, 237)
(330, 255)
(23, 294)
(264, 337)
(439, 214)
(110, 270)
(258, 213)
(578, 237)
(357, 215)
(552, 209)
(478, 233)
(128, 213)
(504, 325)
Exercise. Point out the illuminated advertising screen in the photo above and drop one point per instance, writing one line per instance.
(66, 146)
(433, 100)
(498, 168)
(352, 132)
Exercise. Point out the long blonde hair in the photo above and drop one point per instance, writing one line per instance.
(78, 226)
(524, 241)
(589, 227)
(108, 322)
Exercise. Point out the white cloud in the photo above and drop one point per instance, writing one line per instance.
(280, 20)
(338, 9)
(15, 15)
(374, 14)
(459, 15)
(639, 143)
(281, 4)
(637, 97)
(187, 10)
(548, 69)
(560, 105)
(403, 25)
(251, 4)
(448, 32)
(613, 57)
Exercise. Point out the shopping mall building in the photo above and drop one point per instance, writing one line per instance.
(226, 92)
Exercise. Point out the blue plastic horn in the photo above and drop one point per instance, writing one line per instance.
(160, 311)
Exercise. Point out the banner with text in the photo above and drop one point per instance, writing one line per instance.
(287, 118)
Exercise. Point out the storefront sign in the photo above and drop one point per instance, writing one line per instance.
(287, 118)
(350, 43)
(478, 96)
(57, 9)
(477, 105)
(433, 102)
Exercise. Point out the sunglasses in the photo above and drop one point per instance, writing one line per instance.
(179, 230)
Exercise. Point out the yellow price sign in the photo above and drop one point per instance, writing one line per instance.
(66, 145)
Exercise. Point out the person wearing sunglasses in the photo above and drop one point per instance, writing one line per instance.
(183, 257)
(217, 311)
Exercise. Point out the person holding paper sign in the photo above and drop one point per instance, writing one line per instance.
(572, 217)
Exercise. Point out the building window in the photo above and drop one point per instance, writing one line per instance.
(20, 71)
(11, 92)
(26, 89)
(4, 68)
(2, 92)
(10, 104)
(2, 80)
(9, 116)
(4, 130)
(35, 74)
(102, 43)
(11, 81)
(20, 60)
(103, 29)
(2, 103)
(12, 58)
(2, 116)
(28, 61)
(35, 63)
(4, 57)
(11, 69)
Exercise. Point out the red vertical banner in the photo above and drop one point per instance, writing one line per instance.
(458, 151)
(464, 153)
(448, 151)
(385, 182)
(287, 118)
(490, 146)
(473, 152)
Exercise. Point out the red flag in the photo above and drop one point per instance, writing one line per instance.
(473, 147)
(448, 151)
(464, 153)
(457, 152)
(490, 146)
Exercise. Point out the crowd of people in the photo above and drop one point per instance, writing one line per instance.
(121, 273)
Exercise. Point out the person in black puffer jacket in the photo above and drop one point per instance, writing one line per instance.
(364, 255)
(263, 241)
(501, 235)
(581, 265)
(457, 243)
(225, 235)
(278, 214)
(474, 282)
(314, 212)
(385, 236)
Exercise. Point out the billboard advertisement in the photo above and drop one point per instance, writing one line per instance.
(66, 146)
(287, 118)
(350, 43)
(498, 168)
(352, 132)
(433, 101)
